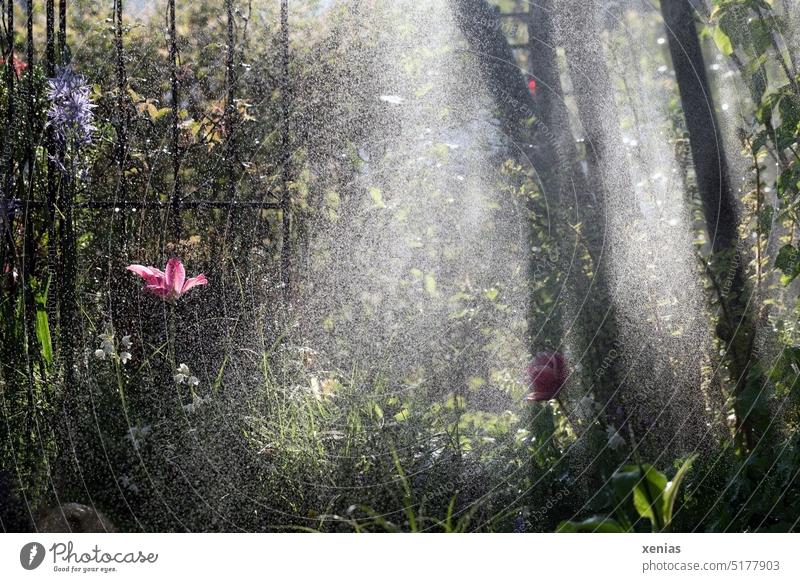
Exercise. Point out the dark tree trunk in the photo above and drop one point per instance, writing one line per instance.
(536, 140)
(480, 24)
(590, 298)
(701, 121)
(609, 181)
(716, 194)
(552, 152)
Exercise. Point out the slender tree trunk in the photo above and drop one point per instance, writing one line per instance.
(550, 148)
(612, 201)
(535, 139)
(716, 194)
(590, 299)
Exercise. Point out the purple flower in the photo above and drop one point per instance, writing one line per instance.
(519, 524)
(70, 114)
(8, 209)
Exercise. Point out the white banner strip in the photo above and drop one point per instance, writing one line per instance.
(354, 557)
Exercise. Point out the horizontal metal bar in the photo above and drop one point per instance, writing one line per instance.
(105, 204)
(133, 204)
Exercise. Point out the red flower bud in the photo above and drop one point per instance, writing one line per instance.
(547, 374)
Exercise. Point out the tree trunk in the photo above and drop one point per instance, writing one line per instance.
(585, 317)
(610, 205)
(716, 194)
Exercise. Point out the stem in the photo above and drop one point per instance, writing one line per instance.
(171, 335)
(567, 415)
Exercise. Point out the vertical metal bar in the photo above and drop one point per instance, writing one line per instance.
(34, 354)
(174, 217)
(122, 110)
(7, 244)
(8, 154)
(286, 245)
(52, 182)
(230, 106)
(68, 308)
(62, 31)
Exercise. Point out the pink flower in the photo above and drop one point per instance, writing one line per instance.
(547, 375)
(532, 87)
(169, 284)
(18, 64)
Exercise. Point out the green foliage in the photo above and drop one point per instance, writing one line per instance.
(652, 495)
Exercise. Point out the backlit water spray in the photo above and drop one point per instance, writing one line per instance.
(423, 277)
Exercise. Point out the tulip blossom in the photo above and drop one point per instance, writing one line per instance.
(169, 284)
(547, 374)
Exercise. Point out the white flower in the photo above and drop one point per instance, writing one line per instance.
(586, 407)
(100, 354)
(136, 434)
(125, 357)
(127, 483)
(196, 403)
(126, 342)
(193, 381)
(615, 441)
(182, 374)
(107, 346)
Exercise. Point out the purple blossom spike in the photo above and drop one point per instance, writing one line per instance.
(70, 114)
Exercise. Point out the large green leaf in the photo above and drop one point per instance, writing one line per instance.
(722, 40)
(42, 322)
(648, 495)
(673, 488)
(788, 261)
(43, 335)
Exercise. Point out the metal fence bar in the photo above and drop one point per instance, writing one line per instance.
(121, 204)
(106, 204)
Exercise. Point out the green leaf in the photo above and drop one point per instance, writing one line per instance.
(722, 41)
(647, 485)
(377, 197)
(788, 261)
(42, 322)
(430, 284)
(596, 524)
(648, 495)
(43, 335)
(673, 488)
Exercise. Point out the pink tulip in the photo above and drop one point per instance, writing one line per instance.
(547, 375)
(169, 284)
